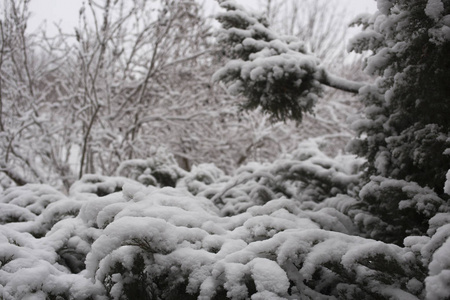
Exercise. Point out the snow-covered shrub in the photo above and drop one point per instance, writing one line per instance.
(167, 243)
(195, 241)
(35, 208)
(29, 269)
(205, 180)
(38, 257)
(318, 175)
(158, 170)
(394, 209)
(131, 241)
(436, 256)
(33, 197)
(433, 251)
(94, 185)
(305, 175)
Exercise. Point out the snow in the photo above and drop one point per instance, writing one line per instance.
(269, 276)
(440, 262)
(447, 184)
(396, 293)
(341, 83)
(385, 5)
(438, 286)
(234, 276)
(434, 9)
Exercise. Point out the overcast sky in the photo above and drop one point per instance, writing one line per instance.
(353, 6)
(65, 12)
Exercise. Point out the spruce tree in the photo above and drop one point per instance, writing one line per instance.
(407, 110)
(404, 133)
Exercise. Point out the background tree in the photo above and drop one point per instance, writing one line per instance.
(132, 78)
(30, 144)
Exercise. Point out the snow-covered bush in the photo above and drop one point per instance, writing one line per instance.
(395, 209)
(259, 234)
(306, 175)
(35, 208)
(38, 257)
(167, 244)
(159, 170)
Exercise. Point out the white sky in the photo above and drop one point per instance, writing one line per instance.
(353, 6)
(65, 12)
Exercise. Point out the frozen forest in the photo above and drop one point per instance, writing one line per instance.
(158, 153)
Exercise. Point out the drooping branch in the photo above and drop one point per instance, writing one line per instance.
(274, 72)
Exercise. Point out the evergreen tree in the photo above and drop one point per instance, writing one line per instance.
(405, 131)
(407, 110)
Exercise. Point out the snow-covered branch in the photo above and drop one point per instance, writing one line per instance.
(272, 71)
(339, 83)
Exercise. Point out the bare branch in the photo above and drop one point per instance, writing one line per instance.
(86, 140)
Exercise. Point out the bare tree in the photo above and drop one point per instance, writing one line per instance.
(133, 77)
(28, 153)
(320, 23)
